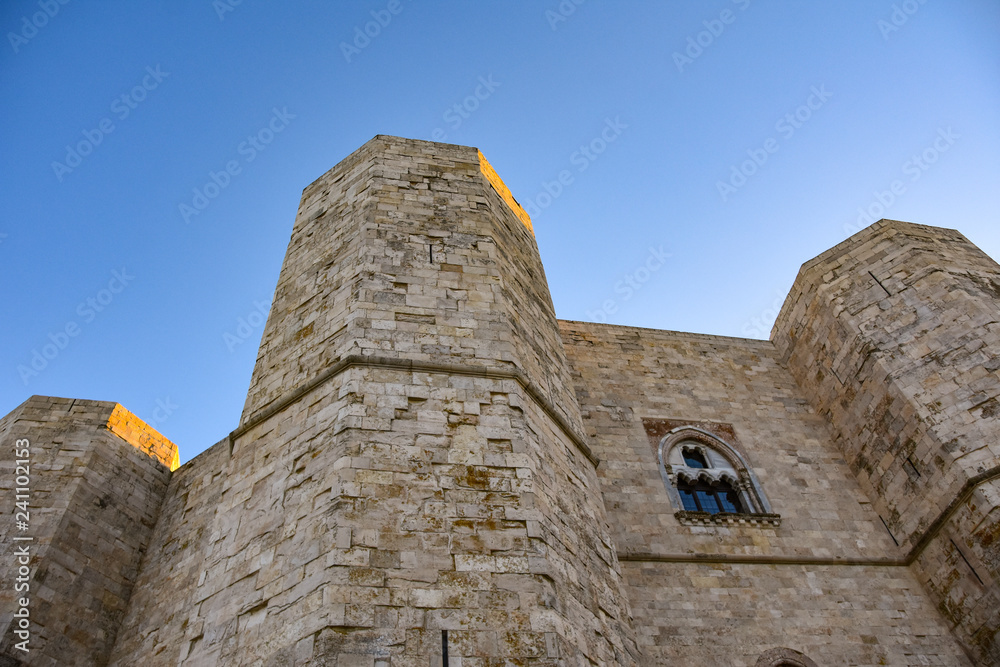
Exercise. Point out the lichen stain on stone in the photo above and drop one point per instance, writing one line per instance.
(304, 332)
(475, 478)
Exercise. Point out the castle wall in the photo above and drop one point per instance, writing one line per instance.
(627, 374)
(409, 460)
(427, 455)
(725, 594)
(94, 499)
(730, 614)
(962, 579)
(895, 336)
(158, 624)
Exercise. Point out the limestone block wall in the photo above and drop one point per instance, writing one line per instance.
(732, 614)
(158, 627)
(140, 435)
(94, 500)
(325, 542)
(231, 539)
(410, 459)
(895, 337)
(726, 594)
(960, 580)
(473, 292)
(627, 374)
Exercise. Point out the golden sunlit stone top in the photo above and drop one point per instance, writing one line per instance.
(491, 175)
(143, 437)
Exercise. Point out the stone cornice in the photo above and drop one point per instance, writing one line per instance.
(409, 365)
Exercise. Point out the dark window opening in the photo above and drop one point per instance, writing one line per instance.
(702, 497)
(687, 499)
(694, 459)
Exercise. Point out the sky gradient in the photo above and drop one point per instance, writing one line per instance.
(679, 160)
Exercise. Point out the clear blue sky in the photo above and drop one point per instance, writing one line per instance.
(739, 138)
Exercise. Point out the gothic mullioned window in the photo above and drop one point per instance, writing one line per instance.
(720, 497)
(709, 481)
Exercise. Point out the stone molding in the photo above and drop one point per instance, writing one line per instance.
(757, 559)
(689, 518)
(411, 366)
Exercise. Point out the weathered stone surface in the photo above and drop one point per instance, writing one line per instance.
(625, 374)
(410, 459)
(828, 581)
(93, 500)
(731, 614)
(895, 337)
(425, 450)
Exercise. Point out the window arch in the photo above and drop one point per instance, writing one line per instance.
(784, 657)
(709, 481)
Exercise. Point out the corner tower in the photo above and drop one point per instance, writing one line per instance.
(410, 467)
(895, 336)
(90, 478)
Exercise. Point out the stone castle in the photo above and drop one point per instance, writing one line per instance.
(431, 469)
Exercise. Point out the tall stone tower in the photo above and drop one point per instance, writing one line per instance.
(409, 475)
(895, 337)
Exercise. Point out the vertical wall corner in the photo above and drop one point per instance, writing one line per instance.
(494, 179)
(143, 437)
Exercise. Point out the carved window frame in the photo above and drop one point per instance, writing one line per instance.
(784, 657)
(735, 471)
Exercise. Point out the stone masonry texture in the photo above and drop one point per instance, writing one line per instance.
(895, 338)
(95, 499)
(410, 458)
(427, 455)
(825, 582)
